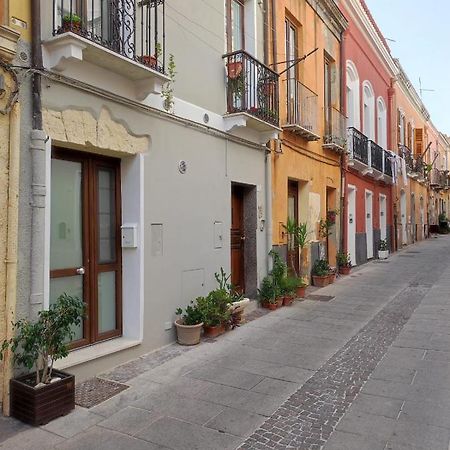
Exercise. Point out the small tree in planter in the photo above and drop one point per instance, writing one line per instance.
(344, 263)
(71, 22)
(320, 273)
(279, 272)
(38, 345)
(189, 325)
(289, 287)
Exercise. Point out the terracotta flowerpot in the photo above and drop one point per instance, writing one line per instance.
(331, 277)
(38, 406)
(320, 281)
(213, 331)
(288, 300)
(149, 61)
(234, 69)
(188, 334)
(67, 26)
(272, 306)
(344, 270)
(301, 292)
(279, 302)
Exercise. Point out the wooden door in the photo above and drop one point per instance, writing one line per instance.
(293, 255)
(237, 238)
(85, 251)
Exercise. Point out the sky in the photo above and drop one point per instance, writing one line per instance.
(421, 31)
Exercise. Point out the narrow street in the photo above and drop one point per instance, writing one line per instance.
(368, 369)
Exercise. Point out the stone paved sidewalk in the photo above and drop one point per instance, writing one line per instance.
(368, 370)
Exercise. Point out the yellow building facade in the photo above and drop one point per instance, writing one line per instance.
(306, 160)
(15, 17)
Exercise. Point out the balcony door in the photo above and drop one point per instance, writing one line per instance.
(369, 224)
(291, 57)
(293, 253)
(85, 252)
(235, 25)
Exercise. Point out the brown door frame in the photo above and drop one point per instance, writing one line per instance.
(237, 236)
(91, 164)
(293, 192)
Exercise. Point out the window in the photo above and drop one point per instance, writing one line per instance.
(328, 68)
(235, 25)
(368, 111)
(381, 123)
(291, 56)
(353, 108)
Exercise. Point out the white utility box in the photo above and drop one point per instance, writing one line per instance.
(129, 235)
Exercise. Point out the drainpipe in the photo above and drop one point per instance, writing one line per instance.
(38, 186)
(11, 243)
(274, 33)
(343, 165)
(266, 32)
(269, 218)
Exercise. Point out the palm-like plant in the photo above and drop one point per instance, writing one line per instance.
(297, 239)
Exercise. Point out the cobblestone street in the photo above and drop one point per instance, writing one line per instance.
(369, 369)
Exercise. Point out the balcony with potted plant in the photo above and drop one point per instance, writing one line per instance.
(131, 45)
(252, 94)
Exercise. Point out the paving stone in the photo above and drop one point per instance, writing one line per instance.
(101, 439)
(421, 435)
(189, 409)
(388, 372)
(341, 440)
(367, 425)
(177, 434)
(381, 406)
(32, 439)
(272, 386)
(426, 412)
(130, 420)
(236, 422)
(77, 421)
(10, 427)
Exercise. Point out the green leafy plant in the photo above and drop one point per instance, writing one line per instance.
(268, 292)
(214, 307)
(289, 285)
(321, 268)
(279, 270)
(223, 280)
(191, 315)
(343, 259)
(71, 18)
(167, 89)
(325, 228)
(442, 217)
(236, 86)
(383, 245)
(297, 239)
(38, 345)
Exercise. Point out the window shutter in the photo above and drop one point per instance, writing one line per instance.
(399, 118)
(418, 141)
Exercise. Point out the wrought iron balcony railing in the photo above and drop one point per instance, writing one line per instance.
(133, 29)
(335, 129)
(358, 145)
(387, 164)
(301, 107)
(438, 179)
(407, 154)
(376, 156)
(252, 87)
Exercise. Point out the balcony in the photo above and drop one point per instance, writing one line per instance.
(438, 179)
(301, 111)
(367, 157)
(252, 93)
(123, 36)
(415, 166)
(335, 130)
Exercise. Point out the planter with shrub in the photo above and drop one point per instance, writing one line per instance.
(189, 325)
(344, 263)
(71, 22)
(383, 251)
(320, 273)
(45, 393)
(268, 293)
(215, 312)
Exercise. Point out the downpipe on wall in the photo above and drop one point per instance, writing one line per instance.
(268, 184)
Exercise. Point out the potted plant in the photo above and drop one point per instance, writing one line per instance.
(383, 251)
(267, 293)
(215, 312)
(331, 275)
(40, 396)
(288, 288)
(71, 22)
(152, 60)
(279, 272)
(234, 67)
(320, 273)
(189, 325)
(237, 301)
(344, 263)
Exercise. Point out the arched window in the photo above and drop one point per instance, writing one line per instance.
(368, 111)
(353, 108)
(381, 123)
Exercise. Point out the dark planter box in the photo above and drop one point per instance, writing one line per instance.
(40, 406)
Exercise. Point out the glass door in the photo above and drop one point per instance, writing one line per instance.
(85, 252)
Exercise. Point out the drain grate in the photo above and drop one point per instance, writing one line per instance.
(320, 298)
(413, 251)
(96, 390)
(406, 256)
(381, 261)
